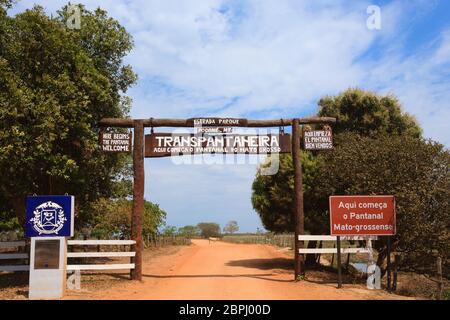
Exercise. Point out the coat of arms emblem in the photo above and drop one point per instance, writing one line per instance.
(48, 218)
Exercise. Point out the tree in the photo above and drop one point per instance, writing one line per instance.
(358, 111)
(209, 229)
(414, 170)
(272, 196)
(189, 231)
(368, 114)
(113, 217)
(56, 85)
(169, 231)
(231, 227)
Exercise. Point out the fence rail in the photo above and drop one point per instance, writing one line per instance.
(100, 242)
(12, 244)
(280, 240)
(163, 241)
(99, 254)
(367, 250)
(17, 256)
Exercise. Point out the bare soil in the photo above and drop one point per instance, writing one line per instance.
(219, 270)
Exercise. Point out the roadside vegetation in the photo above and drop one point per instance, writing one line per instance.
(56, 84)
(379, 149)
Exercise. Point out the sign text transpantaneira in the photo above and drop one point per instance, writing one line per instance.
(166, 144)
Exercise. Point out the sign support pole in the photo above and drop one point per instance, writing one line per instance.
(338, 242)
(388, 262)
(138, 198)
(298, 199)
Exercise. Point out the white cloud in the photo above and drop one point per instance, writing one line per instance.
(267, 59)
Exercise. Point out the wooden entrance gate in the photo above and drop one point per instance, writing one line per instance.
(138, 169)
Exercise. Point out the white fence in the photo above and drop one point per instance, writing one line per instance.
(367, 249)
(122, 266)
(13, 256)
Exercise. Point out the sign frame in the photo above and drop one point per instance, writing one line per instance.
(393, 222)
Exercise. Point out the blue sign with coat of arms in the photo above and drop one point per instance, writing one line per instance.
(50, 216)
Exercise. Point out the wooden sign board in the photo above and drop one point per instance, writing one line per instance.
(318, 139)
(167, 144)
(116, 142)
(217, 122)
(362, 215)
(218, 130)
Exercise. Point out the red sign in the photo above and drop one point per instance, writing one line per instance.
(362, 215)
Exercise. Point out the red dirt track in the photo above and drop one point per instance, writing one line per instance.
(219, 270)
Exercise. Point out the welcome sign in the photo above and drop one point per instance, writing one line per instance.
(318, 139)
(167, 144)
(115, 142)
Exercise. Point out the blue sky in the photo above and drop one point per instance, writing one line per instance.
(271, 59)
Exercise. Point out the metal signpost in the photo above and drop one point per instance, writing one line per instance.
(49, 221)
(156, 145)
(363, 216)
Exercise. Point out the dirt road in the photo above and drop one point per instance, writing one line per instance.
(219, 270)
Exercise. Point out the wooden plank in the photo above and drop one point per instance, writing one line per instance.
(129, 123)
(99, 254)
(11, 256)
(12, 244)
(333, 250)
(317, 250)
(100, 242)
(333, 238)
(354, 238)
(355, 250)
(14, 268)
(125, 266)
(316, 238)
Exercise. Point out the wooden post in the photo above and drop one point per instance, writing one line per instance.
(138, 198)
(332, 256)
(347, 264)
(396, 264)
(299, 266)
(388, 262)
(138, 164)
(440, 280)
(338, 245)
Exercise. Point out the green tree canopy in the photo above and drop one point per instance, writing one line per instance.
(113, 217)
(189, 231)
(231, 227)
(362, 112)
(415, 171)
(56, 84)
(169, 231)
(272, 196)
(368, 114)
(209, 229)
(379, 150)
